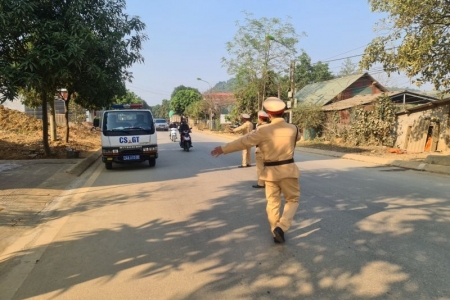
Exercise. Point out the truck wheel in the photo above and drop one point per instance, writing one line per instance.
(152, 162)
(108, 165)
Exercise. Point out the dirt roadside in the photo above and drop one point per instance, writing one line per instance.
(21, 138)
(29, 181)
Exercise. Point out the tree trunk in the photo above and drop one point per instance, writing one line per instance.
(45, 124)
(52, 121)
(66, 116)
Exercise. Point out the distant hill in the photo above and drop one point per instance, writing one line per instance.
(224, 86)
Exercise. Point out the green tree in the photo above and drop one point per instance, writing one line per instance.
(375, 126)
(183, 98)
(196, 110)
(307, 116)
(180, 88)
(416, 43)
(246, 102)
(161, 110)
(129, 98)
(307, 73)
(259, 46)
(84, 46)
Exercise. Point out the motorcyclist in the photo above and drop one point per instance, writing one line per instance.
(172, 126)
(184, 127)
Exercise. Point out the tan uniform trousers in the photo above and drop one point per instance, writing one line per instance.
(259, 165)
(246, 156)
(290, 188)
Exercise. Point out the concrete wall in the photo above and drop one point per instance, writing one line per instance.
(430, 126)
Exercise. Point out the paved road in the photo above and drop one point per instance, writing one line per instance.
(26, 188)
(193, 228)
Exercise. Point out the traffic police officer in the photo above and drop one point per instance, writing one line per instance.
(263, 119)
(245, 128)
(277, 142)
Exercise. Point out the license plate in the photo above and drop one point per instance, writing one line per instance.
(131, 157)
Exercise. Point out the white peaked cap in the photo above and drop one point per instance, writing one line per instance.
(274, 105)
(263, 114)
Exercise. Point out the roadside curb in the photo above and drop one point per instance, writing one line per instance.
(83, 164)
(413, 165)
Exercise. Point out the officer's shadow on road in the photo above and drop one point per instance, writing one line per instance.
(333, 250)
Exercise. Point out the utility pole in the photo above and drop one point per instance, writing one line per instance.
(210, 104)
(291, 93)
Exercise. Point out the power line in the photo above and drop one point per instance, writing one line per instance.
(153, 92)
(347, 51)
(326, 61)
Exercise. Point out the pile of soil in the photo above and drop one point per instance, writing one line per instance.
(21, 138)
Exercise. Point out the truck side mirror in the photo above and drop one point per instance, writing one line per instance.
(96, 123)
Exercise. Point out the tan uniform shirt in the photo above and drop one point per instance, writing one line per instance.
(276, 141)
(244, 128)
(257, 128)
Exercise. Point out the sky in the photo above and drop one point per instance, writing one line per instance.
(187, 38)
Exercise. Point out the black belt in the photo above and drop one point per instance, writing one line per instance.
(278, 163)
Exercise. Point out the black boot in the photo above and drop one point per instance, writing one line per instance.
(279, 234)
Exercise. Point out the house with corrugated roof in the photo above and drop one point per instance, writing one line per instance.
(402, 99)
(341, 95)
(338, 89)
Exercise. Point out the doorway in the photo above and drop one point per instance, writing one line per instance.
(429, 139)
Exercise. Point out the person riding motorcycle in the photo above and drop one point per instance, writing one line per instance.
(184, 127)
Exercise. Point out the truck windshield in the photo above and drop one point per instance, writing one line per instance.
(123, 121)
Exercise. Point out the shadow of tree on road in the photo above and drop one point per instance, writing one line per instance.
(342, 246)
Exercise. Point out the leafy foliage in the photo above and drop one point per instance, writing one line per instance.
(161, 110)
(246, 102)
(307, 73)
(307, 116)
(196, 110)
(129, 98)
(253, 56)
(417, 42)
(78, 114)
(84, 46)
(374, 126)
(183, 98)
(180, 88)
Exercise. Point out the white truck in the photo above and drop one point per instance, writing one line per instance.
(128, 135)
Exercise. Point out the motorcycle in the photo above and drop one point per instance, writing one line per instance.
(173, 134)
(185, 141)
